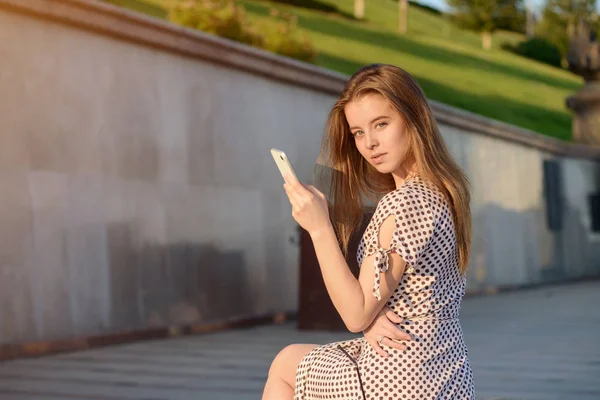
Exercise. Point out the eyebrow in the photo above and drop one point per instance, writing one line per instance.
(372, 121)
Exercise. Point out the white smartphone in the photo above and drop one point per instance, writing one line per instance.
(283, 163)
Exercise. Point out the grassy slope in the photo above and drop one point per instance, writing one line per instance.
(447, 61)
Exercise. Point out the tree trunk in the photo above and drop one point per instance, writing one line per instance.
(402, 16)
(570, 26)
(486, 40)
(359, 9)
(530, 28)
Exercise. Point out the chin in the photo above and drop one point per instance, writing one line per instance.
(383, 169)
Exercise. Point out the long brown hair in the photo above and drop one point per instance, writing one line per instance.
(354, 178)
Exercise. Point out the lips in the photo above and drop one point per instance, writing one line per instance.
(378, 158)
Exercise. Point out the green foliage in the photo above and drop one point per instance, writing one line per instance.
(536, 48)
(227, 19)
(488, 15)
(559, 20)
(512, 17)
(447, 61)
(283, 38)
(311, 5)
(218, 17)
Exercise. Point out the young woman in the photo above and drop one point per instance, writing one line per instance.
(382, 137)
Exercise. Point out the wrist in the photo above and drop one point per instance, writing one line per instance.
(320, 233)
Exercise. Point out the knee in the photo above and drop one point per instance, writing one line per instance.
(281, 361)
(286, 363)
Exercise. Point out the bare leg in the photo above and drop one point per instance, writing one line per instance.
(282, 374)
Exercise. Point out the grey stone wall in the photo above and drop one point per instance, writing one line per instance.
(138, 190)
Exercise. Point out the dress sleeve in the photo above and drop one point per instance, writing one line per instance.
(414, 227)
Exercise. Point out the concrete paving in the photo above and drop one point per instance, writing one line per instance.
(532, 344)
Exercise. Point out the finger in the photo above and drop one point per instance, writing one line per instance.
(391, 330)
(394, 344)
(289, 188)
(301, 194)
(315, 191)
(396, 333)
(388, 341)
(291, 180)
(295, 204)
(292, 195)
(392, 316)
(378, 349)
(296, 185)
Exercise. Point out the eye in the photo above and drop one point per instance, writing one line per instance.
(381, 125)
(358, 133)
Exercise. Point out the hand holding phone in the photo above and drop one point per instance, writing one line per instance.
(283, 163)
(309, 206)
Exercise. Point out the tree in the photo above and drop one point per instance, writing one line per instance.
(359, 9)
(529, 20)
(485, 16)
(559, 22)
(403, 16)
(512, 16)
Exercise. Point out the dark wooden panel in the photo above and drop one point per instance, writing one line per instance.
(316, 310)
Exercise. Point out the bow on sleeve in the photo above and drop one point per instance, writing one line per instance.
(381, 264)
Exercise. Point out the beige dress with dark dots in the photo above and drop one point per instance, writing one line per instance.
(435, 365)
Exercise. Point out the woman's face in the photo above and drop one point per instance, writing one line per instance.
(380, 134)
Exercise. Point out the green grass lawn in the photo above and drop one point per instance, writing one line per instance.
(448, 62)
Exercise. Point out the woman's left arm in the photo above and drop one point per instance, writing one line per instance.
(352, 298)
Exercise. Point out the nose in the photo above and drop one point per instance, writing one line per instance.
(371, 143)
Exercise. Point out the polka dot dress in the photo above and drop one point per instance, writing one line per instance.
(435, 364)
